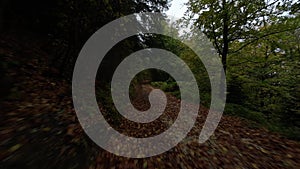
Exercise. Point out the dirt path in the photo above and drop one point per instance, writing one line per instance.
(233, 145)
(39, 129)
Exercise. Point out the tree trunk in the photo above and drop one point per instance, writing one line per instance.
(225, 48)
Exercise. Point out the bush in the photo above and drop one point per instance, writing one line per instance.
(240, 111)
(257, 119)
(166, 86)
(172, 88)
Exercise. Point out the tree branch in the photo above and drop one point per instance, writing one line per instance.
(263, 36)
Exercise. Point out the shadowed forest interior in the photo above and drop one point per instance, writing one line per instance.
(258, 44)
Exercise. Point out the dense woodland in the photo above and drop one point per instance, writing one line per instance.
(258, 42)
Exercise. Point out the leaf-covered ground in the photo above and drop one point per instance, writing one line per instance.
(39, 127)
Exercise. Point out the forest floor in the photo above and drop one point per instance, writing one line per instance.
(39, 128)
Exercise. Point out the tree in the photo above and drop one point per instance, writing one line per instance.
(228, 21)
(69, 22)
(268, 76)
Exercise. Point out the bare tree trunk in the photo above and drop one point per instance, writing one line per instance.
(225, 48)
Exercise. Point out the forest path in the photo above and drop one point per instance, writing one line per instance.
(234, 144)
(39, 128)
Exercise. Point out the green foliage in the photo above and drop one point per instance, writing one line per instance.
(259, 120)
(291, 132)
(170, 87)
(259, 48)
(166, 86)
(235, 92)
(240, 111)
(267, 78)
